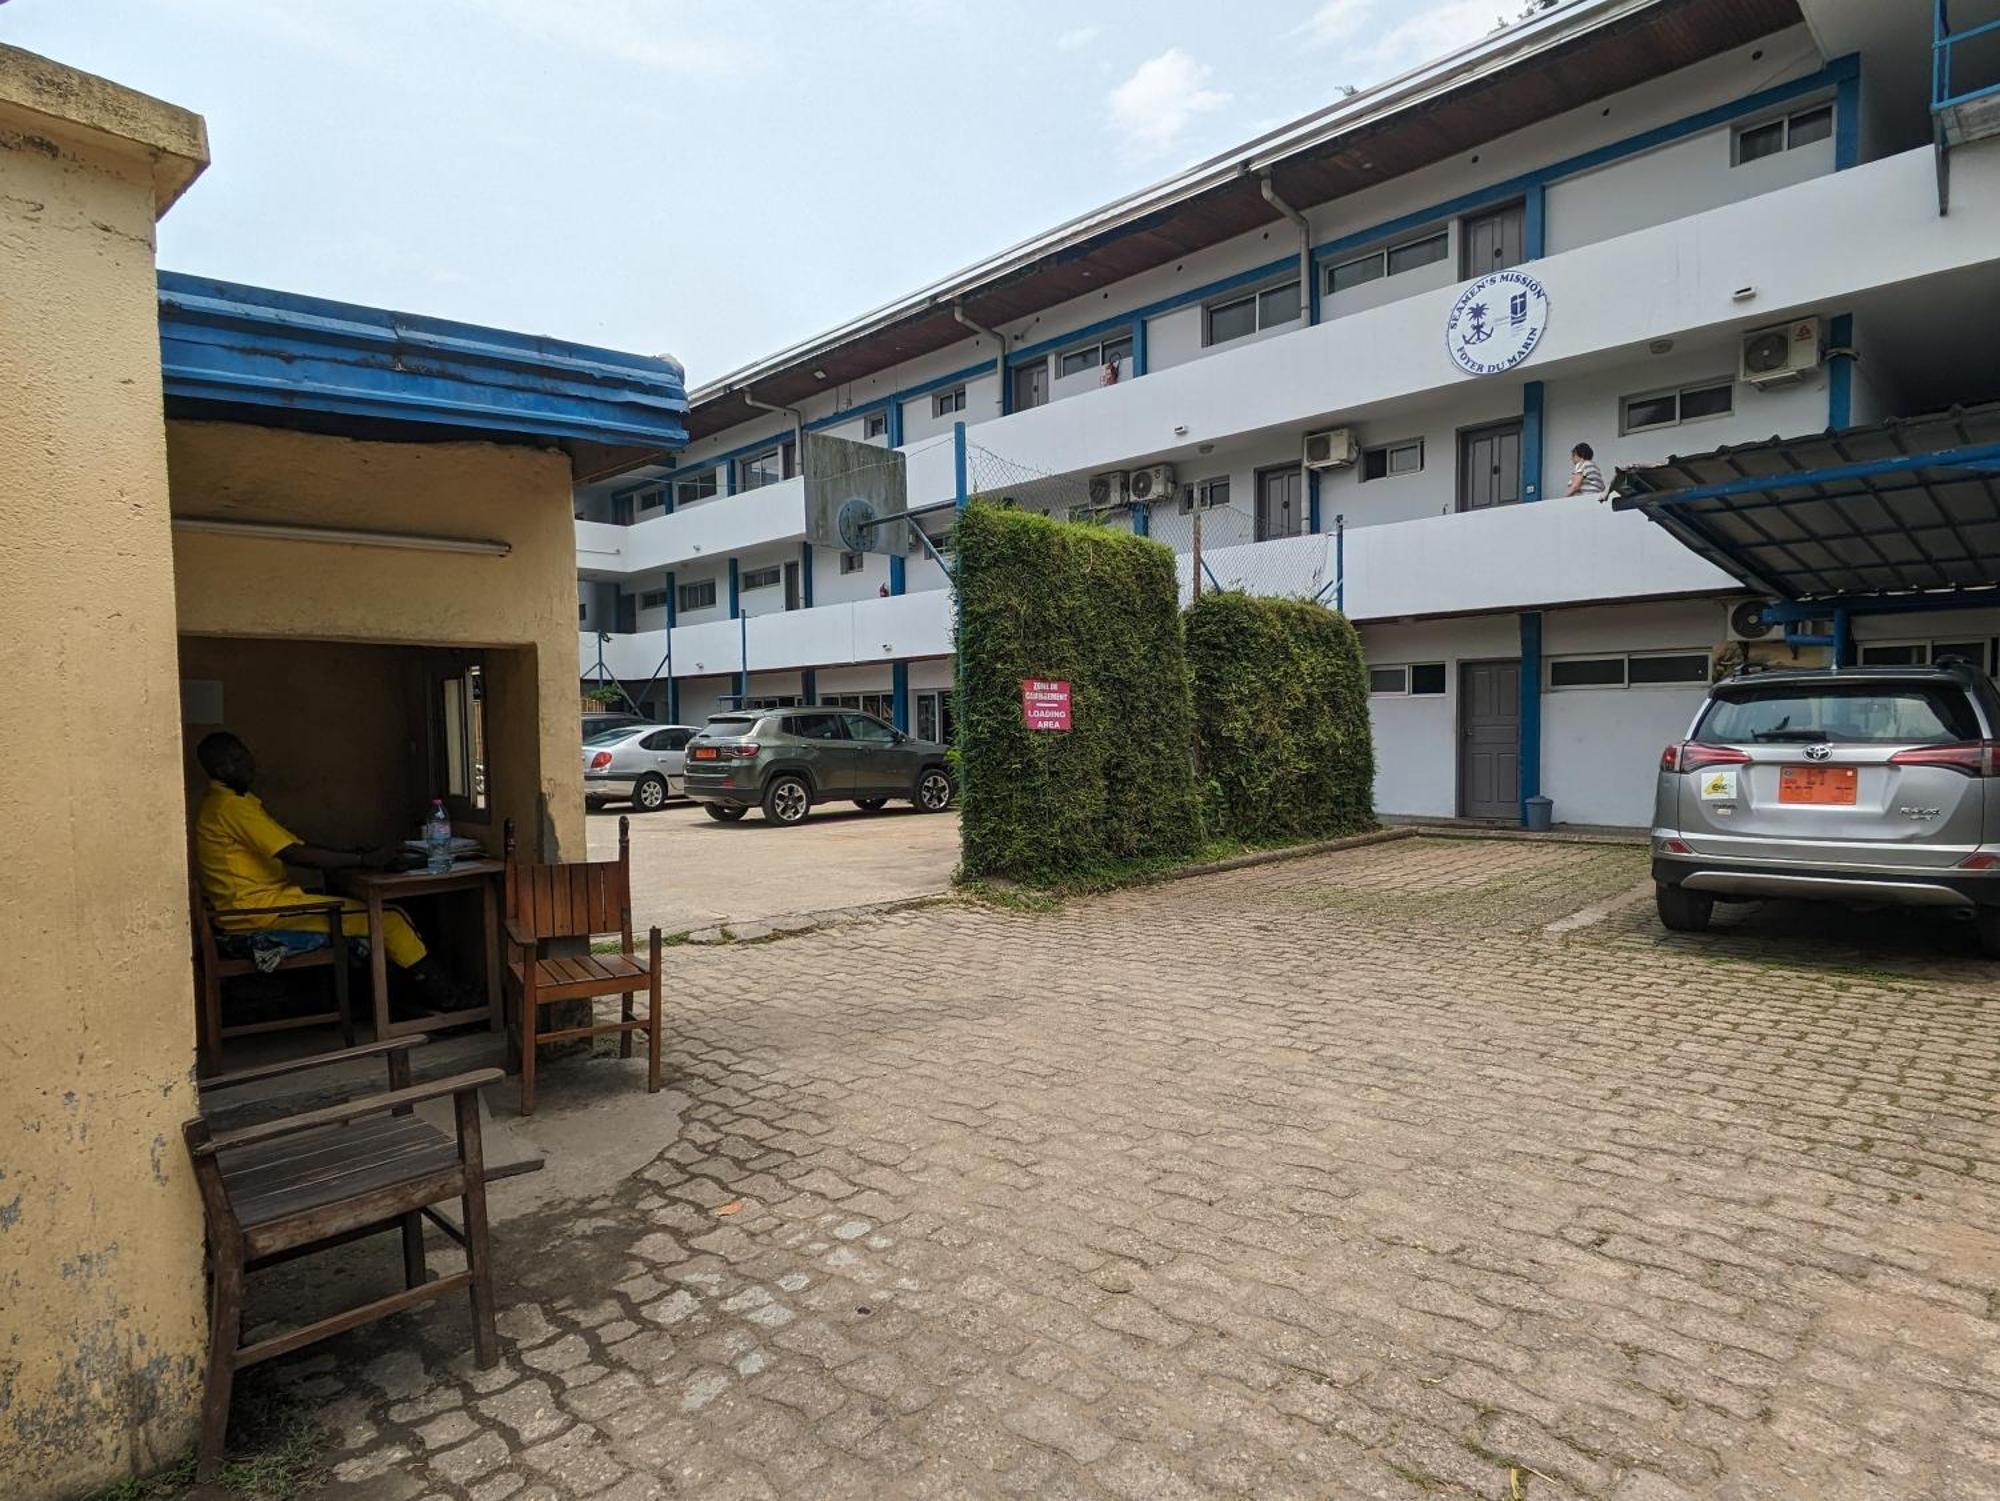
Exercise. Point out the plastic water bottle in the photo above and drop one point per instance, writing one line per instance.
(437, 839)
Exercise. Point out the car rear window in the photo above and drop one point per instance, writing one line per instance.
(1840, 713)
(613, 735)
(725, 726)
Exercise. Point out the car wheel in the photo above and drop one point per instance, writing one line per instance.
(871, 804)
(787, 800)
(934, 791)
(1987, 919)
(722, 812)
(1681, 910)
(650, 795)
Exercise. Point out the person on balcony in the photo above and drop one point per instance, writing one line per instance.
(240, 855)
(1584, 475)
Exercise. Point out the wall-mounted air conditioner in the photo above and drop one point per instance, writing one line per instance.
(1108, 489)
(1333, 449)
(1154, 483)
(1781, 354)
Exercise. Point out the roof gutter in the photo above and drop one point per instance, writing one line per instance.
(1306, 299)
(999, 339)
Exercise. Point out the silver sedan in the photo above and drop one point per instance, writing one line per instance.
(641, 764)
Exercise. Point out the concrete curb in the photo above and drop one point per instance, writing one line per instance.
(1553, 836)
(1271, 857)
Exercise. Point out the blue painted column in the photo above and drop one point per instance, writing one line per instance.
(1840, 372)
(1142, 519)
(742, 659)
(1312, 501)
(1531, 708)
(1138, 346)
(1531, 440)
(735, 595)
(1847, 120)
(809, 686)
(1534, 222)
(958, 465)
(805, 575)
(899, 695)
(673, 700)
(673, 612)
(728, 477)
(895, 433)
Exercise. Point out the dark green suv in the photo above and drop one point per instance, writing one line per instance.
(786, 760)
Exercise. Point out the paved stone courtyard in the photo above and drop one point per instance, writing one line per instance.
(1426, 1169)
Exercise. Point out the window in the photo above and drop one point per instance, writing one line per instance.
(695, 487)
(760, 578)
(946, 403)
(875, 425)
(1771, 137)
(651, 498)
(1852, 713)
(815, 727)
(653, 599)
(699, 595)
(667, 740)
(850, 562)
(463, 722)
(1919, 653)
(1392, 458)
(582, 612)
(760, 469)
(881, 705)
(1389, 260)
(1712, 398)
(1660, 669)
(1206, 495)
(865, 730)
(1090, 357)
(1253, 311)
(1419, 680)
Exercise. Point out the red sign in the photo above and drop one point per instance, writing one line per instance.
(1045, 703)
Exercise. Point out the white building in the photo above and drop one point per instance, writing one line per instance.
(1671, 178)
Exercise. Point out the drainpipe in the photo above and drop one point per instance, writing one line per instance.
(1308, 291)
(1000, 339)
(798, 419)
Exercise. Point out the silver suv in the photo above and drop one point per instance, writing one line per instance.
(1875, 786)
(787, 760)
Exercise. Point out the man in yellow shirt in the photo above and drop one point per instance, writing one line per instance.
(241, 853)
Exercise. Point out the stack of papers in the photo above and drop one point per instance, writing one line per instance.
(461, 847)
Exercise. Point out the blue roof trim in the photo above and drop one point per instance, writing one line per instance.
(239, 345)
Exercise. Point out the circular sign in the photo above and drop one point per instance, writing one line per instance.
(852, 521)
(1497, 322)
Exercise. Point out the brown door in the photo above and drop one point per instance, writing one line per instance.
(1495, 241)
(1280, 503)
(1489, 740)
(1031, 385)
(1489, 466)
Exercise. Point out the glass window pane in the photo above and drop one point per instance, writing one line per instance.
(1966, 651)
(1406, 458)
(1374, 463)
(1279, 305)
(1760, 141)
(1812, 125)
(1910, 654)
(1707, 401)
(1681, 667)
(1588, 672)
(1427, 678)
(1079, 360)
(1356, 272)
(1119, 350)
(1417, 253)
(868, 731)
(1651, 411)
(1232, 320)
(1387, 679)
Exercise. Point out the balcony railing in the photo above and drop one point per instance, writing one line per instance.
(897, 627)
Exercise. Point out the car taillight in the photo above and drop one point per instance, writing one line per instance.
(743, 752)
(601, 760)
(1972, 758)
(1693, 755)
(1979, 862)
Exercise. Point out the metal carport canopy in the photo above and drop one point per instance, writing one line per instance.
(1899, 515)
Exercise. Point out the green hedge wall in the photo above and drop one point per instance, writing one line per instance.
(1281, 718)
(1101, 610)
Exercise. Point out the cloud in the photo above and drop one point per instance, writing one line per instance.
(1379, 47)
(1152, 110)
(1078, 39)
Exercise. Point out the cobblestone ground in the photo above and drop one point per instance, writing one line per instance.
(1383, 1174)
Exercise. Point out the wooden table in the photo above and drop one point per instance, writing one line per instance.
(378, 888)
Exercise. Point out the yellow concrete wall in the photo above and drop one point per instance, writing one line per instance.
(101, 1324)
(262, 587)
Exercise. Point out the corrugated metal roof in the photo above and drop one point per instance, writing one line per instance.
(1539, 67)
(1905, 507)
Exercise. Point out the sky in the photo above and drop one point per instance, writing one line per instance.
(706, 179)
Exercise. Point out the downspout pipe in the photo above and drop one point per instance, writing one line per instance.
(1308, 292)
(999, 339)
(798, 419)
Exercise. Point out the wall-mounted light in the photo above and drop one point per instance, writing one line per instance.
(1180, 429)
(284, 531)
(1660, 346)
(819, 375)
(1742, 294)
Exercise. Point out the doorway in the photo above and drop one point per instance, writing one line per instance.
(1031, 385)
(1489, 466)
(1280, 503)
(1489, 739)
(791, 586)
(1494, 241)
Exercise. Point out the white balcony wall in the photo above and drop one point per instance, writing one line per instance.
(707, 532)
(899, 627)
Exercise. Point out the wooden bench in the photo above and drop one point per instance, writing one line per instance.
(307, 1182)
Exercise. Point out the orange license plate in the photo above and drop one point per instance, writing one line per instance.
(705, 753)
(1822, 786)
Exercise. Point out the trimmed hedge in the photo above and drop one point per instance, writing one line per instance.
(1100, 610)
(1281, 718)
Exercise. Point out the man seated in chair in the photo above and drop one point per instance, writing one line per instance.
(241, 853)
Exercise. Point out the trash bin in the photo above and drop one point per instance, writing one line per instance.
(1538, 812)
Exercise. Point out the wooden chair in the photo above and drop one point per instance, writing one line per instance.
(308, 1182)
(575, 901)
(212, 966)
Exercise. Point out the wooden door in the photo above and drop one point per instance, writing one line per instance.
(1489, 739)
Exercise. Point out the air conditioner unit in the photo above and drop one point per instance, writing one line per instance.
(1109, 489)
(1747, 622)
(1333, 449)
(1146, 486)
(1779, 355)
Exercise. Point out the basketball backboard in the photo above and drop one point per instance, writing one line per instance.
(850, 484)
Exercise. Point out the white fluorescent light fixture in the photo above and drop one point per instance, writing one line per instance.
(277, 531)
